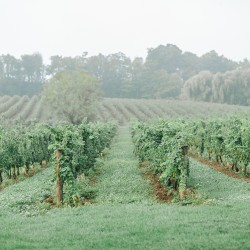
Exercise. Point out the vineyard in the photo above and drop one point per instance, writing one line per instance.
(165, 145)
(71, 150)
(121, 110)
(98, 184)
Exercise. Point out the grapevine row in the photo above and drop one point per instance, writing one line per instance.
(227, 141)
(164, 144)
(121, 110)
(21, 146)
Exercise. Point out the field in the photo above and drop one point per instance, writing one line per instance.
(122, 210)
(121, 110)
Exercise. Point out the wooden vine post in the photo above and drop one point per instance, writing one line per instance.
(59, 182)
(1, 177)
(184, 172)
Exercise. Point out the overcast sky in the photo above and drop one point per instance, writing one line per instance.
(70, 27)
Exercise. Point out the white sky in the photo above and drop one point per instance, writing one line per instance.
(70, 27)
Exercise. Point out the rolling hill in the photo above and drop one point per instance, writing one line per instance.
(121, 110)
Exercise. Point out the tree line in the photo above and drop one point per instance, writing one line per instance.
(231, 87)
(162, 74)
(23, 76)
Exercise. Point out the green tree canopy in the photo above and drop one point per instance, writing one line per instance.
(73, 95)
(232, 87)
(213, 62)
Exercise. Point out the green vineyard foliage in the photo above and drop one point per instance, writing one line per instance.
(162, 144)
(223, 140)
(226, 141)
(22, 146)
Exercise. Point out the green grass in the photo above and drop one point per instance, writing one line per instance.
(121, 180)
(125, 215)
(24, 197)
(218, 186)
(131, 226)
(7, 182)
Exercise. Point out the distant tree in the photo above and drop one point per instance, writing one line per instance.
(10, 75)
(189, 66)
(164, 57)
(60, 63)
(218, 88)
(232, 87)
(21, 76)
(198, 87)
(237, 86)
(136, 88)
(166, 85)
(161, 73)
(213, 62)
(32, 68)
(96, 66)
(10, 67)
(244, 64)
(73, 95)
(116, 75)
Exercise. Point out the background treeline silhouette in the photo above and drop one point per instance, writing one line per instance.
(166, 72)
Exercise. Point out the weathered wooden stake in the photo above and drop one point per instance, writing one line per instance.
(182, 189)
(59, 183)
(1, 177)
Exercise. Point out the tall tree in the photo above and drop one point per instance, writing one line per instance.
(33, 68)
(232, 87)
(117, 74)
(213, 62)
(60, 63)
(189, 66)
(136, 88)
(73, 95)
(198, 87)
(164, 57)
(96, 66)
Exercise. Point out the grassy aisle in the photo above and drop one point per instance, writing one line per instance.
(24, 197)
(125, 216)
(216, 186)
(121, 180)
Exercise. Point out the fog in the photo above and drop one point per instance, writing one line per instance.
(70, 27)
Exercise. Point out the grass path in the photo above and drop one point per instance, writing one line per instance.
(24, 197)
(218, 186)
(125, 214)
(121, 180)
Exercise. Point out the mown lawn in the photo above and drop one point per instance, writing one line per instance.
(131, 226)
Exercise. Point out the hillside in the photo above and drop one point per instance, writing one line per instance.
(122, 110)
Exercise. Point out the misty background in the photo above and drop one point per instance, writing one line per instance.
(195, 50)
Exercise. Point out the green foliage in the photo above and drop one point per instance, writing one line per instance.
(79, 148)
(225, 140)
(231, 87)
(162, 145)
(160, 75)
(125, 217)
(72, 95)
(214, 63)
(22, 146)
(21, 76)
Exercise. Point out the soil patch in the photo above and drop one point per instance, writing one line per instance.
(161, 193)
